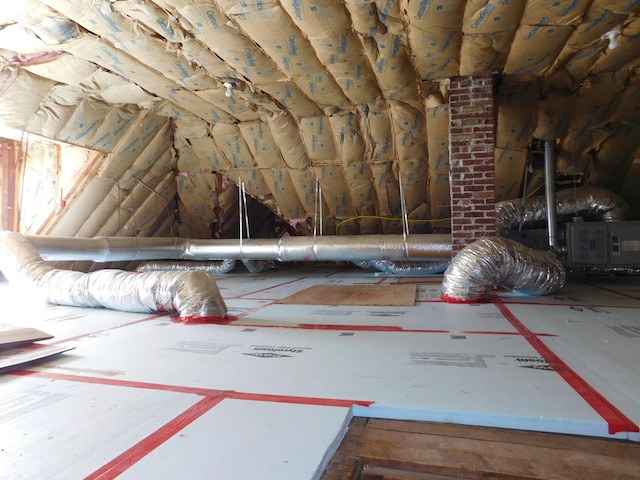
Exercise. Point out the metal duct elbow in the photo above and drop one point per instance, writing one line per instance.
(499, 263)
(590, 203)
(193, 295)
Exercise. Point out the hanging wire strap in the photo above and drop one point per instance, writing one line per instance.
(405, 217)
(318, 215)
(240, 212)
(253, 266)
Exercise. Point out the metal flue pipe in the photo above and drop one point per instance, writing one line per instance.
(287, 249)
(550, 195)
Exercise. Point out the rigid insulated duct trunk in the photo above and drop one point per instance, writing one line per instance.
(499, 263)
(194, 295)
(287, 249)
(591, 203)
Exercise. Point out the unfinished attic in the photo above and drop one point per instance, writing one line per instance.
(342, 238)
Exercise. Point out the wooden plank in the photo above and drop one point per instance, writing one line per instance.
(13, 357)
(435, 280)
(378, 295)
(586, 444)
(370, 472)
(14, 335)
(8, 198)
(412, 453)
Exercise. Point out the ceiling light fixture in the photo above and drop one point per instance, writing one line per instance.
(229, 86)
(612, 36)
(105, 8)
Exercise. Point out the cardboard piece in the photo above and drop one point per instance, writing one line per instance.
(15, 356)
(15, 335)
(388, 295)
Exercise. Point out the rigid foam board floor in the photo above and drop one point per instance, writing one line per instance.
(140, 396)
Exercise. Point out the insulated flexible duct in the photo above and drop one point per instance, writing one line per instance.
(499, 263)
(259, 266)
(194, 295)
(405, 268)
(591, 203)
(213, 267)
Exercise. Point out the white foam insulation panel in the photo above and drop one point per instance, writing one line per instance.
(269, 391)
(350, 94)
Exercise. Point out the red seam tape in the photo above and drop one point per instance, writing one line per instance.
(617, 421)
(137, 452)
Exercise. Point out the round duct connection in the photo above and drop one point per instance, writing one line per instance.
(499, 263)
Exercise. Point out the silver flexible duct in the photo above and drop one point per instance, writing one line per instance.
(259, 266)
(494, 262)
(592, 203)
(194, 295)
(405, 268)
(631, 271)
(286, 249)
(212, 267)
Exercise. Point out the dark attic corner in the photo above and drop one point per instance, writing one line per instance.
(410, 226)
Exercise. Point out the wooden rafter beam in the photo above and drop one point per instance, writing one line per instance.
(8, 198)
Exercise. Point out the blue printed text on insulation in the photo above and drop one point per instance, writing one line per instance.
(165, 28)
(211, 15)
(482, 15)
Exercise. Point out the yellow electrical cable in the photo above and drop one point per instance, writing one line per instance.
(377, 217)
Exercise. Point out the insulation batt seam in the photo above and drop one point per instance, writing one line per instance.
(194, 295)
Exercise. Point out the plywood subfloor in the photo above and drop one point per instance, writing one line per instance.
(377, 295)
(403, 450)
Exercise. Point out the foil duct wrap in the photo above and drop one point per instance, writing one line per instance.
(604, 271)
(211, 267)
(191, 294)
(405, 268)
(259, 266)
(590, 203)
(499, 263)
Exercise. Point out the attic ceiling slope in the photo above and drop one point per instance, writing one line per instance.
(292, 98)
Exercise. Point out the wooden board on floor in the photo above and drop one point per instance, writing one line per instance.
(15, 335)
(404, 450)
(427, 280)
(391, 295)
